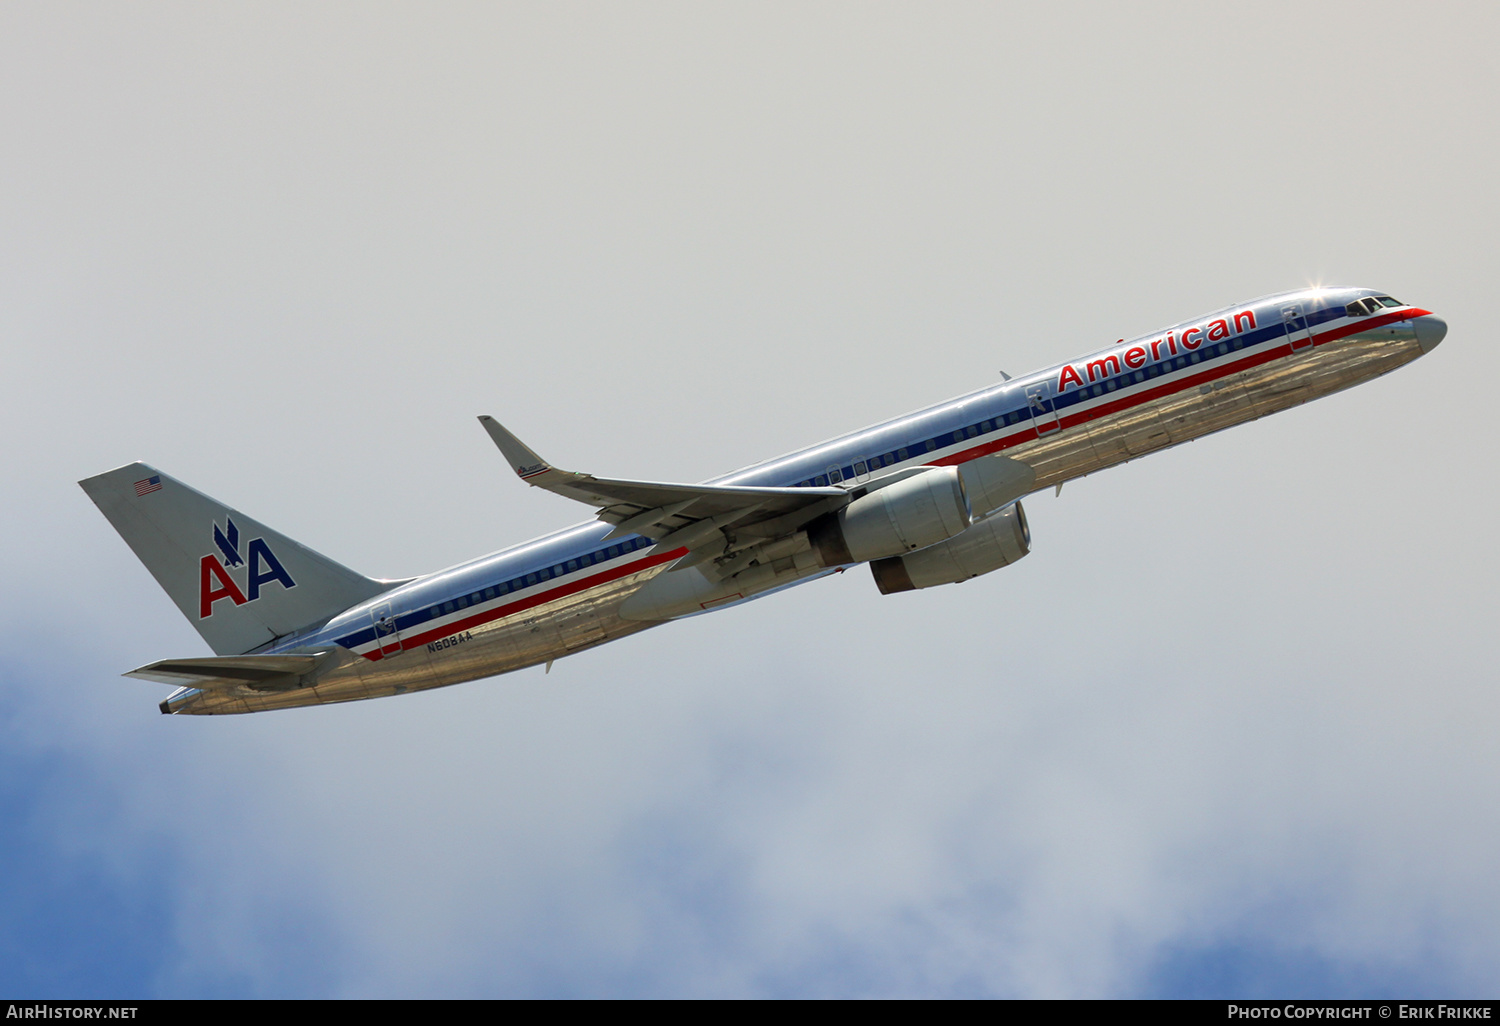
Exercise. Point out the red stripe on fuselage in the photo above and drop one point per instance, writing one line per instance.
(531, 601)
(1161, 391)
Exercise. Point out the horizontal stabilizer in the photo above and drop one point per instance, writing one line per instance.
(266, 672)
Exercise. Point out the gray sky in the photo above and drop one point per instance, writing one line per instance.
(1229, 729)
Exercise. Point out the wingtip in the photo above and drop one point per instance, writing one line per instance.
(521, 458)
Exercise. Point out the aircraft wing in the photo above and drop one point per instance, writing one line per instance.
(684, 514)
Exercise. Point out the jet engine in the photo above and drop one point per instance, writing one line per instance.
(904, 516)
(993, 542)
(994, 482)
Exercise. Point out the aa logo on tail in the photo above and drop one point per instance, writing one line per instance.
(215, 583)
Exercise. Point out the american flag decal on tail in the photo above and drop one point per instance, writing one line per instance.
(146, 487)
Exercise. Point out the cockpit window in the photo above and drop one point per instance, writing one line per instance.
(1370, 305)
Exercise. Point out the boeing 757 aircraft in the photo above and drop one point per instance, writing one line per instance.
(930, 498)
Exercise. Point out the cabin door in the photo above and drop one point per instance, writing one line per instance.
(1039, 400)
(1296, 327)
(386, 632)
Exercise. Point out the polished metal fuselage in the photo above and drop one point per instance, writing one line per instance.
(1213, 392)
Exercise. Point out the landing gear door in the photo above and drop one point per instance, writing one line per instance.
(1043, 415)
(387, 634)
(1296, 326)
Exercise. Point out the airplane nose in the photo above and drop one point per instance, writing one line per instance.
(1430, 331)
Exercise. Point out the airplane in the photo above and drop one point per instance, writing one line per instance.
(927, 499)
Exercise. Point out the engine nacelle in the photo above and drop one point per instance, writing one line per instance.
(992, 482)
(993, 542)
(905, 516)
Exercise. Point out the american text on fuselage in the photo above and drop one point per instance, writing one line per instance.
(926, 499)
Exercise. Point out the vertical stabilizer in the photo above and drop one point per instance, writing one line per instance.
(238, 582)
